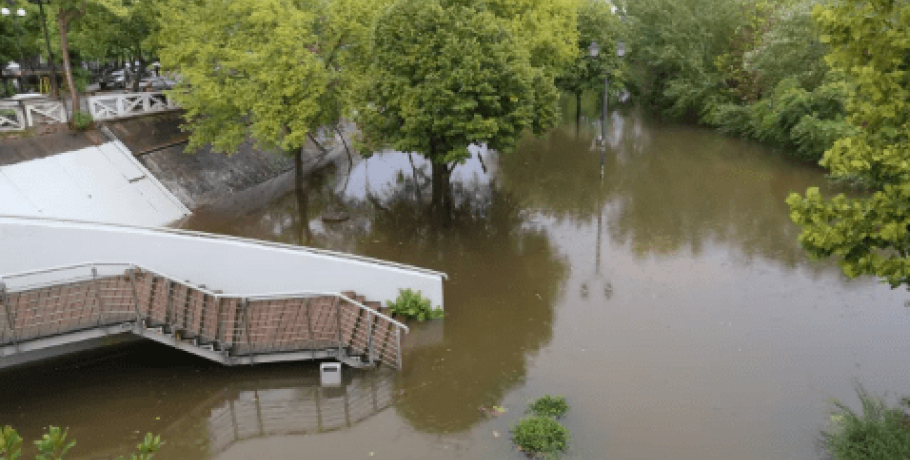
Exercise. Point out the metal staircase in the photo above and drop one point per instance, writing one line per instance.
(62, 305)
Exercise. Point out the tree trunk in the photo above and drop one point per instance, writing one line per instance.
(63, 23)
(442, 191)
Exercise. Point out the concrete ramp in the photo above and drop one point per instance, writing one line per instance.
(101, 183)
(230, 264)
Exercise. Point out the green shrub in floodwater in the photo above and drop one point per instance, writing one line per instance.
(549, 406)
(413, 305)
(878, 433)
(53, 445)
(540, 435)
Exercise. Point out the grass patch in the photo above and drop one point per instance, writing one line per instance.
(880, 432)
(549, 406)
(540, 435)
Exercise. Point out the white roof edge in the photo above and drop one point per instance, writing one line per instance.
(212, 236)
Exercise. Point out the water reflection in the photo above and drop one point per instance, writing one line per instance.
(665, 189)
(505, 275)
(278, 406)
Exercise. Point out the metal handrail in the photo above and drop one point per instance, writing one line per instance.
(173, 315)
(222, 294)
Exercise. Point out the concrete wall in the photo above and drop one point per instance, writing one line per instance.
(232, 265)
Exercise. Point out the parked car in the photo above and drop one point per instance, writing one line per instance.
(156, 84)
(121, 79)
(114, 79)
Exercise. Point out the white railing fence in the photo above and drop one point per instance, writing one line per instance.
(12, 118)
(110, 106)
(45, 112)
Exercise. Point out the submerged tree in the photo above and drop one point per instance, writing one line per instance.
(870, 42)
(448, 73)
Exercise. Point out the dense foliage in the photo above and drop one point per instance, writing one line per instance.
(54, 445)
(549, 406)
(540, 435)
(870, 44)
(879, 432)
(754, 69)
(596, 22)
(412, 305)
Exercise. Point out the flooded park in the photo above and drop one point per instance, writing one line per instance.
(666, 298)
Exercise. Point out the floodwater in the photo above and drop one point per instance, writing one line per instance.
(667, 300)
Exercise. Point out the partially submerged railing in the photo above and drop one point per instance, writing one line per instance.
(61, 300)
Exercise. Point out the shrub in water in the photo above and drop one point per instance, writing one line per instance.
(412, 305)
(549, 406)
(540, 435)
(878, 433)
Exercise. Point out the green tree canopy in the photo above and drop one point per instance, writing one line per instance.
(446, 73)
(870, 43)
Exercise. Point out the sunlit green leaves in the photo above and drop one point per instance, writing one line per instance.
(10, 443)
(249, 68)
(870, 42)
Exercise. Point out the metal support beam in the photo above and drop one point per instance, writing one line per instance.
(10, 317)
(338, 327)
(246, 319)
(94, 289)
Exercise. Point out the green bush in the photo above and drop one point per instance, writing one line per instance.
(413, 305)
(549, 406)
(53, 445)
(540, 435)
(879, 433)
(82, 120)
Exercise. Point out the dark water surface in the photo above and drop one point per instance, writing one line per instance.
(668, 301)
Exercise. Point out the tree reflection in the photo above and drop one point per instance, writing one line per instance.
(505, 279)
(665, 190)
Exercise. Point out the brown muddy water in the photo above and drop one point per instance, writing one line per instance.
(668, 301)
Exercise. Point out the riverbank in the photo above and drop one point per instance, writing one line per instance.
(137, 171)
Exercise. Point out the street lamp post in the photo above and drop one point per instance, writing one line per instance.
(594, 49)
(19, 13)
(47, 41)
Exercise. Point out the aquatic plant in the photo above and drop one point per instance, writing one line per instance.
(878, 433)
(540, 435)
(412, 305)
(53, 445)
(549, 406)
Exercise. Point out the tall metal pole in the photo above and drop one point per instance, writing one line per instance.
(50, 55)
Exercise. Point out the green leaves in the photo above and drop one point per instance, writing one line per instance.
(10, 444)
(869, 234)
(540, 435)
(549, 406)
(147, 448)
(53, 445)
(412, 305)
(446, 73)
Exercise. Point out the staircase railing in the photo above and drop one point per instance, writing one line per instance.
(60, 300)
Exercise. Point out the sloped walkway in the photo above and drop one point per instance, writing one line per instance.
(101, 183)
(64, 305)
